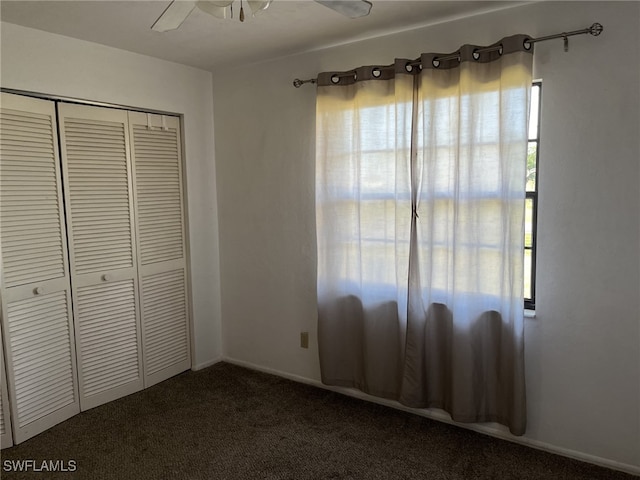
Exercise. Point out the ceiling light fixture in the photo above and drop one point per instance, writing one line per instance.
(179, 10)
(224, 8)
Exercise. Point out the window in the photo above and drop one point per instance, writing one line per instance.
(382, 236)
(531, 212)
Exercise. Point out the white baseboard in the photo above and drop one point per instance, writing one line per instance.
(497, 431)
(208, 363)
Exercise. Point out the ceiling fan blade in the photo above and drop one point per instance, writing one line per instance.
(173, 16)
(348, 8)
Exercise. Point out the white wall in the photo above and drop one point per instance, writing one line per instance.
(41, 62)
(583, 348)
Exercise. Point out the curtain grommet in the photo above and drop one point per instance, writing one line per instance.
(476, 54)
(500, 50)
(335, 79)
(435, 62)
(376, 72)
(527, 44)
(408, 67)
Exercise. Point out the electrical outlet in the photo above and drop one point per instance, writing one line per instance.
(304, 339)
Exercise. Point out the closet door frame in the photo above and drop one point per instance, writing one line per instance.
(187, 240)
(72, 410)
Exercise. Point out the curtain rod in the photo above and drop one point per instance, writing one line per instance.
(595, 30)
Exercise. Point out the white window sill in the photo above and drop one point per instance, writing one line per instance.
(529, 313)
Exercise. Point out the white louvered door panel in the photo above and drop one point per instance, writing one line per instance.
(157, 161)
(108, 336)
(102, 248)
(37, 321)
(32, 248)
(6, 440)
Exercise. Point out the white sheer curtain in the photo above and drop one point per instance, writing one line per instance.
(420, 187)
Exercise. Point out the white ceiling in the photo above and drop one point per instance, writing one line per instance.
(286, 27)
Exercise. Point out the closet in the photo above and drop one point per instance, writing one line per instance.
(92, 241)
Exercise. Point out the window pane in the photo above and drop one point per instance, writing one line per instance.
(532, 152)
(528, 223)
(528, 263)
(533, 112)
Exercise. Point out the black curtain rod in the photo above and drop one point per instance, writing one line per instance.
(595, 30)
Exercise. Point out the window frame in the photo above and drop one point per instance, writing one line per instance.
(530, 303)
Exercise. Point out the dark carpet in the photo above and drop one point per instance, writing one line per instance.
(227, 422)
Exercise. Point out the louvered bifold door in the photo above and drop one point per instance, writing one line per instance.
(37, 323)
(6, 439)
(102, 250)
(157, 160)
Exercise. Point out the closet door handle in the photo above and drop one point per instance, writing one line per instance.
(38, 291)
(106, 277)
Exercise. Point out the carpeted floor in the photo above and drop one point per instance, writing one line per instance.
(226, 422)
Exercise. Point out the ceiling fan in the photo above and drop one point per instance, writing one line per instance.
(179, 10)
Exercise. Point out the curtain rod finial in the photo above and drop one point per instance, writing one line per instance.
(298, 83)
(596, 29)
